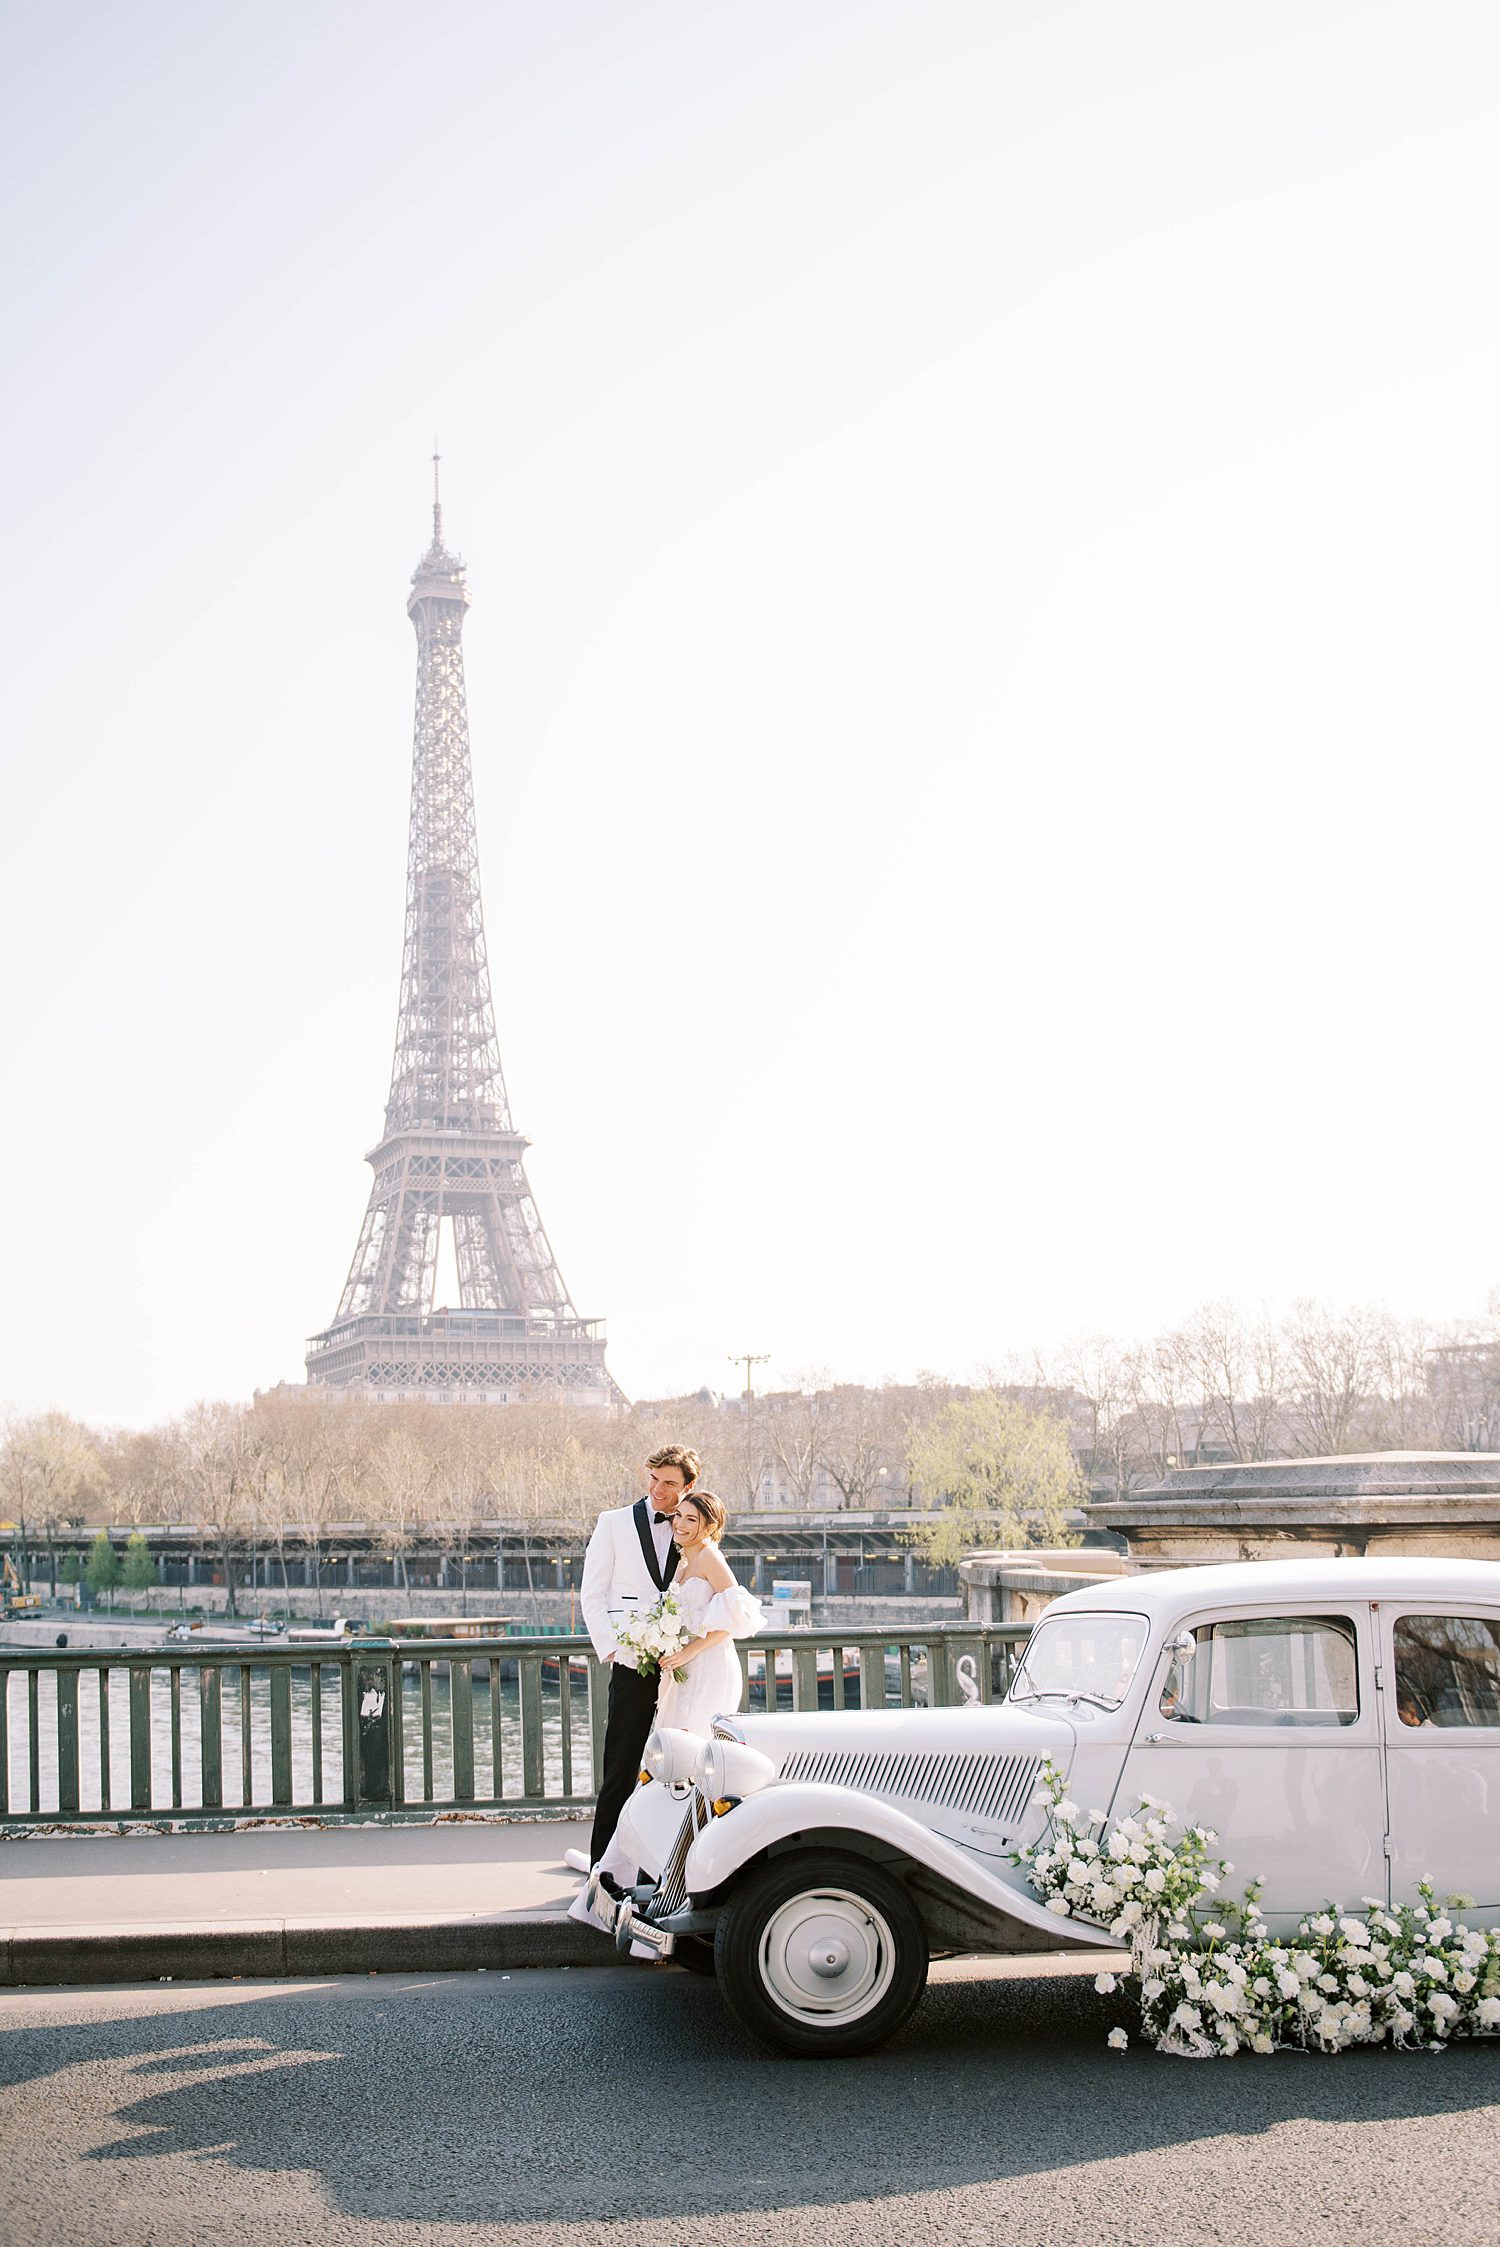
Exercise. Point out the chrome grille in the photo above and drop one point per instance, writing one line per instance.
(671, 1889)
(995, 1787)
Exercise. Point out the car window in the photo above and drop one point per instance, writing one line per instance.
(1092, 1653)
(1447, 1670)
(1267, 1669)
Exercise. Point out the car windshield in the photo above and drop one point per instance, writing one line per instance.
(1092, 1655)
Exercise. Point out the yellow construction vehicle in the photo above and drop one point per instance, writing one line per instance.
(14, 1597)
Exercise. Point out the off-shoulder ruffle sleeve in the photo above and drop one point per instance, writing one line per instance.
(737, 1611)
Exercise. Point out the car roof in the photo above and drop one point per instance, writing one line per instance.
(1163, 1591)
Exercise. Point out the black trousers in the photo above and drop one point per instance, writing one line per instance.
(632, 1712)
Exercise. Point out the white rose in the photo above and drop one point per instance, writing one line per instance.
(1105, 1984)
(1442, 2007)
(1260, 2042)
(1155, 1879)
(1488, 2010)
(1118, 2040)
(1404, 1985)
(1154, 1988)
(1060, 1905)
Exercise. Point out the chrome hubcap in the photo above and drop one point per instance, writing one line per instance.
(827, 1954)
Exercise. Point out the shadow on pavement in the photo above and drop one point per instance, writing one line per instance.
(581, 2097)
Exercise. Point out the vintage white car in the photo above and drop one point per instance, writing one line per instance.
(1336, 1722)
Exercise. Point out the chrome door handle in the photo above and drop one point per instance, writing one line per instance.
(1155, 1739)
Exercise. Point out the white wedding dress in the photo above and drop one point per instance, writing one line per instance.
(713, 1684)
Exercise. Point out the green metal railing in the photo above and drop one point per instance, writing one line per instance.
(381, 1728)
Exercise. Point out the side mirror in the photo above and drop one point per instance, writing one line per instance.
(1183, 1647)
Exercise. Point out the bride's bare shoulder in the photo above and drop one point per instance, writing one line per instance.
(716, 1568)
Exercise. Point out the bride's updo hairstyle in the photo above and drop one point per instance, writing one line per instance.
(713, 1510)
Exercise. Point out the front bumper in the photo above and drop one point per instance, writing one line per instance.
(655, 1920)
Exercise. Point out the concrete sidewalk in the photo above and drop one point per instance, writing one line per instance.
(334, 1900)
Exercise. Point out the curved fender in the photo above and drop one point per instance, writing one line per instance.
(764, 1819)
(649, 1825)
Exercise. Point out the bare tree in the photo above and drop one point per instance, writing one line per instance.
(323, 1451)
(1334, 1361)
(404, 1479)
(864, 1450)
(49, 1469)
(141, 1476)
(1095, 1373)
(796, 1425)
(217, 1475)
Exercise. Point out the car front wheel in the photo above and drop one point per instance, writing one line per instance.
(821, 1954)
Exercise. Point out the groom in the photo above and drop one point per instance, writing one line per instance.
(630, 1561)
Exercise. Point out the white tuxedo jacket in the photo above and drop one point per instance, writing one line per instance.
(617, 1579)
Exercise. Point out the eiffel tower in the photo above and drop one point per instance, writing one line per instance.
(449, 1154)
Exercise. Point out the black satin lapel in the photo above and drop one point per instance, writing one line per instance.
(671, 1568)
(648, 1547)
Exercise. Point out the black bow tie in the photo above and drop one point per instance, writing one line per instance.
(661, 1521)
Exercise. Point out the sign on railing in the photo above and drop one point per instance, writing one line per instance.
(389, 1727)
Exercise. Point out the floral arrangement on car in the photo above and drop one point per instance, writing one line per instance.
(1210, 1986)
(655, 1634)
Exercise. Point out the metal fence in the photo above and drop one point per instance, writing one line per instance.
(380, 1728)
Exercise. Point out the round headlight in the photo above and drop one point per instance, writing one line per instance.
(671, 1756)
(726, 1767)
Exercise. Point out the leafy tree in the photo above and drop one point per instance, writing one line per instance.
(103, 1568)
(140, 1573)
(994, 1473)
(69, 1572)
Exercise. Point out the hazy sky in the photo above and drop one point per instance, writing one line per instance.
(982, 527)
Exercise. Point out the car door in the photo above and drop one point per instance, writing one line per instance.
(1268, 1732)
(1442, 1722)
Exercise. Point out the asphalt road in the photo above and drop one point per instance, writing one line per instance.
(622, 2106)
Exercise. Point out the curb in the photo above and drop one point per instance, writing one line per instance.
(274, 1949)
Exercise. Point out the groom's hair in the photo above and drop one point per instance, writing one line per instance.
(678, 1455)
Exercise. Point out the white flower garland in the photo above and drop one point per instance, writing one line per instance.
(1213, 1987)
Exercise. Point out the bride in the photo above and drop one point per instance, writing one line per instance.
(703, 1679)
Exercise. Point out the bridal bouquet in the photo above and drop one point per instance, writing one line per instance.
(654, 1636)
